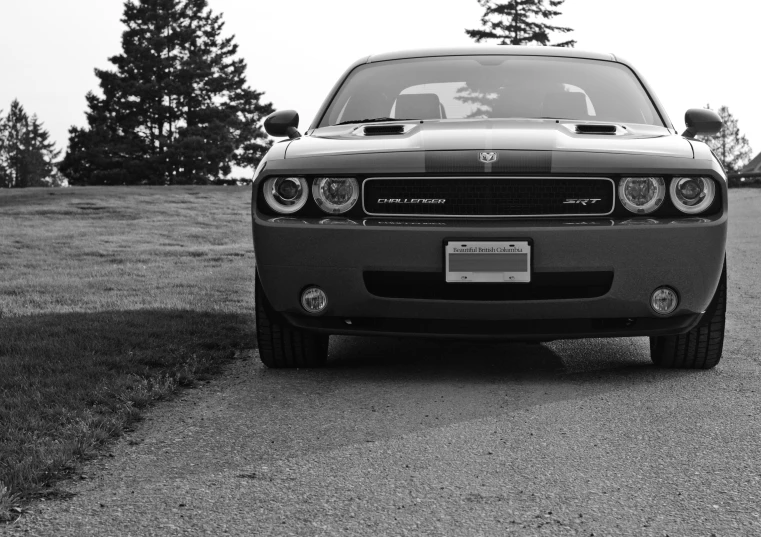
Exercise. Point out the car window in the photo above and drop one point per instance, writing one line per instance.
(469, 87)
(448, 95)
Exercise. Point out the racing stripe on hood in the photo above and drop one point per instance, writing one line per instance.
(507, 161)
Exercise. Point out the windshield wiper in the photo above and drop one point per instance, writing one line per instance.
(375, 120)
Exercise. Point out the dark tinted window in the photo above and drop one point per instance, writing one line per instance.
(493, 87)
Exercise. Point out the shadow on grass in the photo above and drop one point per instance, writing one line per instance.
(69, 382)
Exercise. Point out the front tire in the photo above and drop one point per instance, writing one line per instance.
(701, 347)
(281, 345)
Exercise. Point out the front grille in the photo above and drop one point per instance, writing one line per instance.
(543, 286)
(489, 197)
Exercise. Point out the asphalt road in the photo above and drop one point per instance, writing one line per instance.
(419, 437)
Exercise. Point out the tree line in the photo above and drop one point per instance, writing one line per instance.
(175, 108)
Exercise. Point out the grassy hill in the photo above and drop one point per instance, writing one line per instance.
(110, 297)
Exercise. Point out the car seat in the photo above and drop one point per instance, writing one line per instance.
(419, 106)
(565, 105)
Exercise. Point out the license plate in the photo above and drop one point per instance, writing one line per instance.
(488, 261)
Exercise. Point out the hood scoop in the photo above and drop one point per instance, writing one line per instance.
(587, 128)
(382, 130)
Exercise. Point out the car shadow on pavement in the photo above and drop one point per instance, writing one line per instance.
(376, 389)
(489, 358)
(441, 357)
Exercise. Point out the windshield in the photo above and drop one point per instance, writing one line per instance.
(472, 87)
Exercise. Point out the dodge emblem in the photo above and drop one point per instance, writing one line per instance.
(487, 157)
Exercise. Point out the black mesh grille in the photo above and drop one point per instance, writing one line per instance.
(488, 197)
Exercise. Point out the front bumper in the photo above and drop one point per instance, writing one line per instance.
(643, 254)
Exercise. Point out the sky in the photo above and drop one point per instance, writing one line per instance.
(692, 52)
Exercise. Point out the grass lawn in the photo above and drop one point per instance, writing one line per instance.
(110, 298)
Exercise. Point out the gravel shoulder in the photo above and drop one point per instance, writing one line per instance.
(411, 437)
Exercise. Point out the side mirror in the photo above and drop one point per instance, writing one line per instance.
(701, 121)
(283, 123)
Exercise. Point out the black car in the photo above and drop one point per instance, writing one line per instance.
(526, 193)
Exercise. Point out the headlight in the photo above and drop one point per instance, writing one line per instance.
(285, 195)
(692, 194)
(642, 195)
(335, 195)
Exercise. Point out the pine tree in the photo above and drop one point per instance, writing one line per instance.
(5, 178)
(175, 109)
(519, 22)
(729, 145)
(27, 154)
(16, 124)
(21, 158)
(40, 155)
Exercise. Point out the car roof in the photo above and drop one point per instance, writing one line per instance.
(492, 50)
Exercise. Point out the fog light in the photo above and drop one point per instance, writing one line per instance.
(314, 300)
(664, 300)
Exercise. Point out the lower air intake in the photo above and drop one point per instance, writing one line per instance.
(544, 286)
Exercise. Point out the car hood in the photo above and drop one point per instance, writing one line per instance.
(487, 134)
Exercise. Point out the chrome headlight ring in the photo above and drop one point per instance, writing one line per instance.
(335, 195)
(692, 195)
(286, 195)
(642, 195)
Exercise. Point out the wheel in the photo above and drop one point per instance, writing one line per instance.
(281, 345)
(701, 347)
